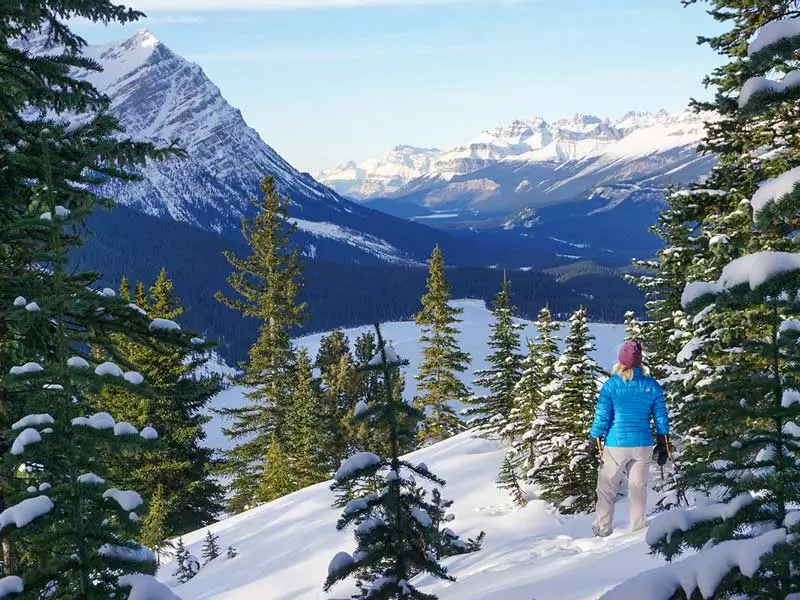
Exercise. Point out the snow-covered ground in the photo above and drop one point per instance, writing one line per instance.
(530, 553)
(404, 337)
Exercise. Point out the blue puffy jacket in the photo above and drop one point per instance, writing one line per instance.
(623, 411)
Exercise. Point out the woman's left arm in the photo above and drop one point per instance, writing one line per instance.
(660, 414)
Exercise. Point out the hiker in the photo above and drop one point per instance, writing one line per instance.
(623, 438)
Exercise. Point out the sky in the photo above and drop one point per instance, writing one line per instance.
(327, 81)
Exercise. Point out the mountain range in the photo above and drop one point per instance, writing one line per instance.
(508, 177)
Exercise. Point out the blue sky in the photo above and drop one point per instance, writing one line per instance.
(324, 81)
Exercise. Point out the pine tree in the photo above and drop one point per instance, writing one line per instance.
(305, 429)
(266, 284)
(394, 528)
(633, 327)
(564, 467)
(230, 553)
(442, 358)
(155, 532)
(186, 565)
(747, 339)
(508, 480)
(210, 547)
(444, 541)
(276, 479)
(125, 289)
(537, 381)
(140, 296)
(180, 468)
(491, 411)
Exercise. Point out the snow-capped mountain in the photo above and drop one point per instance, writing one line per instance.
(533, 163)
(161, 97)
(380, 176)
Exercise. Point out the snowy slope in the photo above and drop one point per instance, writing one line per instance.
(536, 163)
(529, 553)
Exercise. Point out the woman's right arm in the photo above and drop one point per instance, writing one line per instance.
(603, 411)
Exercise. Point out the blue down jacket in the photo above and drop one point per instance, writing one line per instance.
(623, 411)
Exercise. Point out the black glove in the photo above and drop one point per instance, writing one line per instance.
(661, 453)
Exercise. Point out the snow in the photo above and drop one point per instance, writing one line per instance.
(25, 438)
(108, 293)
(46, 216)
(773, 32)
(19, 301)
(53, 387)
(145, 587)
(702, 572)
(134, 307)
(774, 189)
(138, 554)
(29, 367)
(32, 307)
(360, 460)
(197, 340)
(369, 243)
(128, 500)
(11, 585)
(61, 212)
(101, 420)
(78, 362)
(91, 479)
(33, 420)
(688, 350)
(340, 561)
(164, 325)
(26, 511)
(44, 486)
(790, 325)
(790, 398)
(360, 408)
(753, 269)
(148, 433)
(108, 368)
(125, 429)
(528, 553)
(757, 85)
(685, 519)
(421, 517)
(133, 377)
(391, 357)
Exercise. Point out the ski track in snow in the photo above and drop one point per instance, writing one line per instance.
(531, 553)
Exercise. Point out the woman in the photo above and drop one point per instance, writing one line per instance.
(627, 402)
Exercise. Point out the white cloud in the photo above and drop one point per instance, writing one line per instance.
(228, 5)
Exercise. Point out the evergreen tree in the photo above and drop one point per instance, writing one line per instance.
(442, 358)
(305, 429)
(276, 479)
(748, 308)
(186, 565)
(492, 410)
(140, 295)
(444, 541)
(180, 468)
(536, 383)
(507, 480)
(155, 529)
(125, 289)
(230, 553)
(266, 284)
(565, 467)
(210, 547)
(394, 528)
(633, 327)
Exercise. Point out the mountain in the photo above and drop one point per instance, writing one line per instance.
(380, 176)
(161, 97)
(532, 164)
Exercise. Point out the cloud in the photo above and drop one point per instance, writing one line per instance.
(229, 5)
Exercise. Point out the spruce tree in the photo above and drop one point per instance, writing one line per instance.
(230, 553)
(276, 476)
(508, 480)
(186, 565)
(536, 383)
(210, 547)
(749, 307)
(306, 430)
(445, 541)
(266, 286)
(394, 528)
(180, 468)
(442, 359)
(565, 467)
(491, 411)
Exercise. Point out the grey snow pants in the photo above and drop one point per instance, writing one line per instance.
(617, 461)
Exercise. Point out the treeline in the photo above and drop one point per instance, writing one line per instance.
(338, 294)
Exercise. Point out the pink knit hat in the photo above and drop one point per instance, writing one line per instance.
(630, 355)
